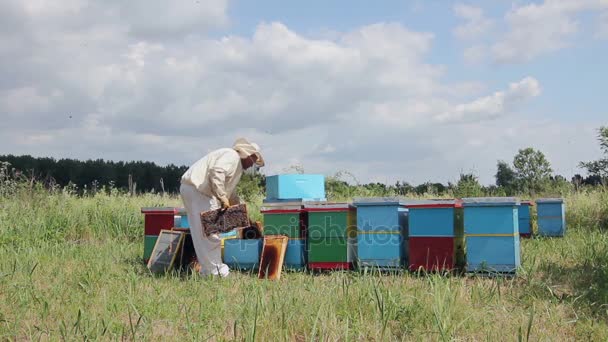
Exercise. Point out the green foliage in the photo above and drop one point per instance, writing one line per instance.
(95, 174)
(506, 177)
(468, 186)
(599, 168)
(532, 169)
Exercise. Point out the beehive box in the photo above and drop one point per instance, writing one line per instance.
(288, 219)
(551, 213)
(525, 224)
(331, 235)
(155, 220)
(243, 254)
(492, 234)
(149, 242)
(295, 255)
(431, 253)
(432, 227)
(182, 218)
(295, 187)
(382, 226)
(380, 250)
(284, 219)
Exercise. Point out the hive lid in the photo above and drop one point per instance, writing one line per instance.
(281, 207)
(159, 210)
(489, 201)
(318, 206)
(526, 202)
(372, 201)
(550, 200)
(293, 200)
(434, 203)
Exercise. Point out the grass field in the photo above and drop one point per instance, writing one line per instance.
(70, 268)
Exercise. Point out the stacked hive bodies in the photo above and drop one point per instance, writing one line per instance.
(432, 235)
(331, 235)
(525, 225)
(492, 234)
(288, 219)
(551, 216)
(155, 220)
(382, 232)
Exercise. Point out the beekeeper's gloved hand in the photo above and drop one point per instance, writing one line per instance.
(225, 202)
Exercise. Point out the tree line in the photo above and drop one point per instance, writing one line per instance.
(135, 176)
(529, 173)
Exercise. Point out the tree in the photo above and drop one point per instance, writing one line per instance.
(468, 186)
(599, 168)
(505, 177)
(532, 170)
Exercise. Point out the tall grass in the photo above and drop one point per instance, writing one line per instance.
(70, 268)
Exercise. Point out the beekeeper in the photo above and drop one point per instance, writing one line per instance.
(209, 184)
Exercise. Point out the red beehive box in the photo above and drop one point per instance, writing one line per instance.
(158, 218)
(431, 253)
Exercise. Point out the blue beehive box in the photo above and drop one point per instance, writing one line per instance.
(492, 234)
(295, 187)
(242, 254)
(432, 218)
(184, 221)
(385, 250)
(551, 214)
(181, 218)
(381, 232)
(295, 255)
(381, 214)
(525, 225)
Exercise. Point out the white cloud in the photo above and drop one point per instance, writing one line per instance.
(476, 25)
(475, 54)
(493, 106)
(537, 29)
(366, 100)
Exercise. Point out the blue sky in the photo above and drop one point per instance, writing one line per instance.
(388, 90)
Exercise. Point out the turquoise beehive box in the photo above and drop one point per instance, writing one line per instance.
(242, 254)
(491, 226)
(525, 224)
(381, 232)
(291, 187)
(551, 214)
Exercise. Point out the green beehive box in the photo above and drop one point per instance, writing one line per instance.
(331, 249)
(330, 220)
(149, 242)
(283, 220)
(331, 228)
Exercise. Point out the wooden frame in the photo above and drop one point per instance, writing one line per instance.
(156, 253)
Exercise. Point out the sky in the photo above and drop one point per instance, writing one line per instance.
(389, 90)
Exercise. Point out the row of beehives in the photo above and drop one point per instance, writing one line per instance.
(386, 233)
(476, 234)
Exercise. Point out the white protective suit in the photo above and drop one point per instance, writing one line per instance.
(212, 177)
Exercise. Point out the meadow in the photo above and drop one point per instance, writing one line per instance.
(71, 269)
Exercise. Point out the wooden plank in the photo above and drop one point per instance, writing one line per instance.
(273, 255)
(165, 251)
